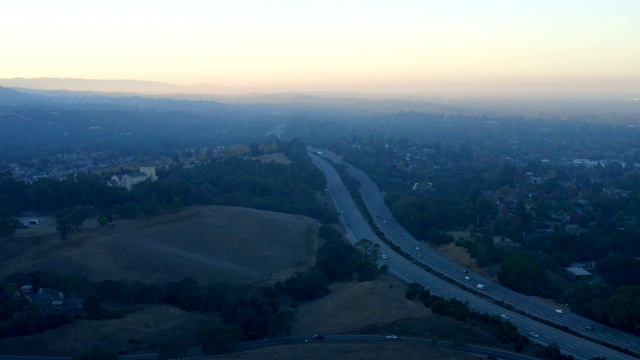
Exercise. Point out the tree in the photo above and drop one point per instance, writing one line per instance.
(623, 308)
(219, 339)
(175, 347)
(96, 354)
(8, 226)
(413, 291)
(307, 286)
(92, 305)
(280, 323)
(486, 209)
(620, 269)
(103, 220)
(522, 273)
(69, 220)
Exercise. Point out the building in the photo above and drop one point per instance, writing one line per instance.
(128, 180)
(50, 302)
(576, 271)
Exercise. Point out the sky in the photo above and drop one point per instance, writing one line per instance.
(330, 45)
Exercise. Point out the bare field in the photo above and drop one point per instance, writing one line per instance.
(209, 243)
(352, 306)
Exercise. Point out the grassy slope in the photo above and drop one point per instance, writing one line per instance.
(209, 243)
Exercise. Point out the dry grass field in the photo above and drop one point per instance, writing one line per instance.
(209, 243)
(355, 305)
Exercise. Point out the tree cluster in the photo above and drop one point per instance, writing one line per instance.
(503, 330)
(246, 317)
(336, 261)
(522, 273)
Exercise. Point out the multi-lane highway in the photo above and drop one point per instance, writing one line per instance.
(357, 228)
(380, 339)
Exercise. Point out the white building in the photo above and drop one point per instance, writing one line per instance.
(128, 180)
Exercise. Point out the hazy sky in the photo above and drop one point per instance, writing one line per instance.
(397, 45)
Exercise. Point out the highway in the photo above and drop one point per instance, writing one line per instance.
(196, 352)
(357, 228)
(470, 349)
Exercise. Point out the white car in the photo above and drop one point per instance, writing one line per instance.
(506, 317)
(559, 311)
(480, 286)
(384, 256)
(532, 334)
(391, 337)
(417, 248)
(467, 278)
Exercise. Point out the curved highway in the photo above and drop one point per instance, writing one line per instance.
(196, 352)
(470, 349)
(357, 228)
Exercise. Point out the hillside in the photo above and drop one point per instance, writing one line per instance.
(209, 243)
(374, 307)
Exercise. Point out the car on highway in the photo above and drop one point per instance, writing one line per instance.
(559, 311)
(318, 337)
(417, 248)
(589, 328)
(533, 335)
(384, 256)
(467, 278)
(506, 317)
(391, 337)
(480, 286)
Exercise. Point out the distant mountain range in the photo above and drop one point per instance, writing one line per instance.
(117, 86)
(13, 97)
(18, 91)
(204, 97)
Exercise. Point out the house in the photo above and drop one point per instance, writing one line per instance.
(50, 302)
(24, 292)
(576, 271)
(128, 180)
